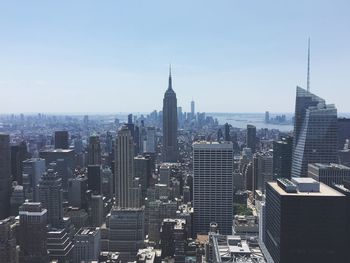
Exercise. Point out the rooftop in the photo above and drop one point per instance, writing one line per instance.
(324, 190)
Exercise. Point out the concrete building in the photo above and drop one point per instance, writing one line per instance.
(329, 174)
(170, 122)
(87, 245)
(5, 175)
(299, 214)
(212, 186)
(150, 140)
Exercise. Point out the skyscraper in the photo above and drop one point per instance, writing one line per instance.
(170, 150)
(61, 140)
(94, 178)
(5, 175)
(192, 109)
(32, 233)
(315, 132)
(124, 168)
(251, 137)
(305, 222)
(213, 189)
(8, 244)
(343, 132)
(282, 157)
(94, 150)
(50, 196)
(18, 155)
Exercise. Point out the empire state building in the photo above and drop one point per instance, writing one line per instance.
(170, 148)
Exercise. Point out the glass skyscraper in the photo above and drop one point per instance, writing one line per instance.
(315, 132)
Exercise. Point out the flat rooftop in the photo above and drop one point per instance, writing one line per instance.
(325, 190)
(329, 166)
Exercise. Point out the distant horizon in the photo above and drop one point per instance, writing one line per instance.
(229, 56)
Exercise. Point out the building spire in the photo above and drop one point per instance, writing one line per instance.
(308, 66)
(170, 86)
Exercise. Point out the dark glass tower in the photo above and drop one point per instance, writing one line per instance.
(315, 132)
(251, 137)
(170, 153)
(5, 175)
(282, 157)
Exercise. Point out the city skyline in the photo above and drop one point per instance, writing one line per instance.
(58, 57)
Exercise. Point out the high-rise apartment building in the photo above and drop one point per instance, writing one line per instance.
(5, 175)
(170, 122)
(212, 185)
(315, 132)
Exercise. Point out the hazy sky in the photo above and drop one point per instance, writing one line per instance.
(113, 56)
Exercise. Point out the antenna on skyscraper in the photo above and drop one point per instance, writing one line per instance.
(308, 65)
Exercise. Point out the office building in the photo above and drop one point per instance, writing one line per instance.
(262, 170)
(17, 199)
(170, 147)
(227, 136)
(94, 150)
(212, 185)
(61, 140)
(282, 157)
(143, 171)
(5, 175)
(18, 154)
(50, 196)
(150, 140)
(77, 188)
(343, 133)
(193, 111)
(60, 245)
(173, 238)
(96, 210)
(164, 174)
(94, 178)
(126, 231)
(8, 244)
(87, 245)
(251, 137)
(315, 132)
(305, 222)
(32, 223)
(33, 170)
(329, 174)
(124, 169)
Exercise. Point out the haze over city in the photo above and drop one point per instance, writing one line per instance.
(246, 56)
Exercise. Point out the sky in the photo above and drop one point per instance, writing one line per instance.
(105, 56)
